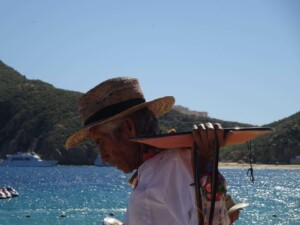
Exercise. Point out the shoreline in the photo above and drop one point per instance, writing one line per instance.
(232, 165)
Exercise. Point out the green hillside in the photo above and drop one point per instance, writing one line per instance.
(36, 116)
(279, 146)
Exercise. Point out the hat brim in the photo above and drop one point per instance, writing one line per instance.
(237, 206)
(158, 106)
(185, 139)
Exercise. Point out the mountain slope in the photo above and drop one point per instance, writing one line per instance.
(279, 146)
(36, 116)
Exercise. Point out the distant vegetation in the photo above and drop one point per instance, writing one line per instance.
(36, 116)
(279, 146)
(39, 117)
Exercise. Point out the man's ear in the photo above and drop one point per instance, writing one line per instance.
(130, 127)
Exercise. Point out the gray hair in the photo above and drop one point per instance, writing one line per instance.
(144, 120)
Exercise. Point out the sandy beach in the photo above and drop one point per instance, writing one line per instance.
(258, 166)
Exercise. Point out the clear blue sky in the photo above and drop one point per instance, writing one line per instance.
(237, 60)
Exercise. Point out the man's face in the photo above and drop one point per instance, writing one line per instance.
(120, 153)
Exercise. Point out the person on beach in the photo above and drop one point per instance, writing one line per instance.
(163, 184)
(233, 208)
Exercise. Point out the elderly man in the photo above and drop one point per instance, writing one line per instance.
(115, 111)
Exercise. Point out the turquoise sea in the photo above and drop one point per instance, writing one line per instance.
(74, 195)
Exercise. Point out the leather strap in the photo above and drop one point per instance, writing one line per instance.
(195, 158)
(214, 179)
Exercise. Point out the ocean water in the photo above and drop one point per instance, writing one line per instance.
(72, 195)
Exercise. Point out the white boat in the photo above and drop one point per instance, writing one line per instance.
(98, 161)
(2, 194)
(111, 220)
(28, 159)
(5, 192)
(8, 192)
(12, 191)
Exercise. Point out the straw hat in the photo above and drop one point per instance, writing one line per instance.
(113, 99)
(232, 206)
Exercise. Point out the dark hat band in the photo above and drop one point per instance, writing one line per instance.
(112, 110)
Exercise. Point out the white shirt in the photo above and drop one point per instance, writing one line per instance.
(164, 195)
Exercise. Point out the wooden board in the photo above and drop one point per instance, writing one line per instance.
(185, 139)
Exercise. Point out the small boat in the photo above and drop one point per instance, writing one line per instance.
(111, 220)
(2, 194)
(12, 191)
(28, 159)
(8, 192)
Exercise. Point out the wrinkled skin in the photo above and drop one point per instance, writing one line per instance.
(122, 153)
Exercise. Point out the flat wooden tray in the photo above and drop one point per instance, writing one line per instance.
(185, 139)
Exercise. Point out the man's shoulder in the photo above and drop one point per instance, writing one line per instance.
(172, 157)
(167, 158)
(173, 164)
